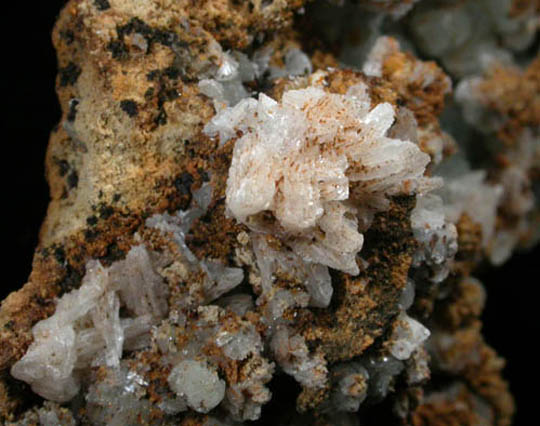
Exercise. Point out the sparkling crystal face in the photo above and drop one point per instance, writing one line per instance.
(298, 159)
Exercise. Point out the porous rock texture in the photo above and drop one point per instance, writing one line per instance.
(272, 212)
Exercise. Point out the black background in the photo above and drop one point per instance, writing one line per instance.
(30, 110)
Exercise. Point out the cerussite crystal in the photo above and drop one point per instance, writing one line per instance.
(245, 227)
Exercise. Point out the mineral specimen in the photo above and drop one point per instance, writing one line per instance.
(86, 328)
(276, 212)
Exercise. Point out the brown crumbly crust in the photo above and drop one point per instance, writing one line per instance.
(470, 358)
(514, 95)
(518, 7)
(425, 101)
(445, 411)
(465, 305)
(469, 242)
(363, 306)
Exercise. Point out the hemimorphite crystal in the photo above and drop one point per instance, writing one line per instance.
(200, 386)
(408, 335)
(298, 159)
(86, 328)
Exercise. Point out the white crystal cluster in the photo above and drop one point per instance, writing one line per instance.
(315, 277)
(227, 87)
(470, 194)
(382, 371)
(517, 199)
(407, 336)
(200, 386)
(417, 369)
(50, 414)
(321, 164)
(373, 375)
(220, 331)
(86, 328)
(469, 36)
(352, 382)
(385, 46)
(245, 399)
(476, 105)
(350, 387)
(218, 279)
(215, 337)
(117, 398)
(472, 39)
(421, 74)
(294, 357)
(444, 342)
(436, 235)
(317, 162)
